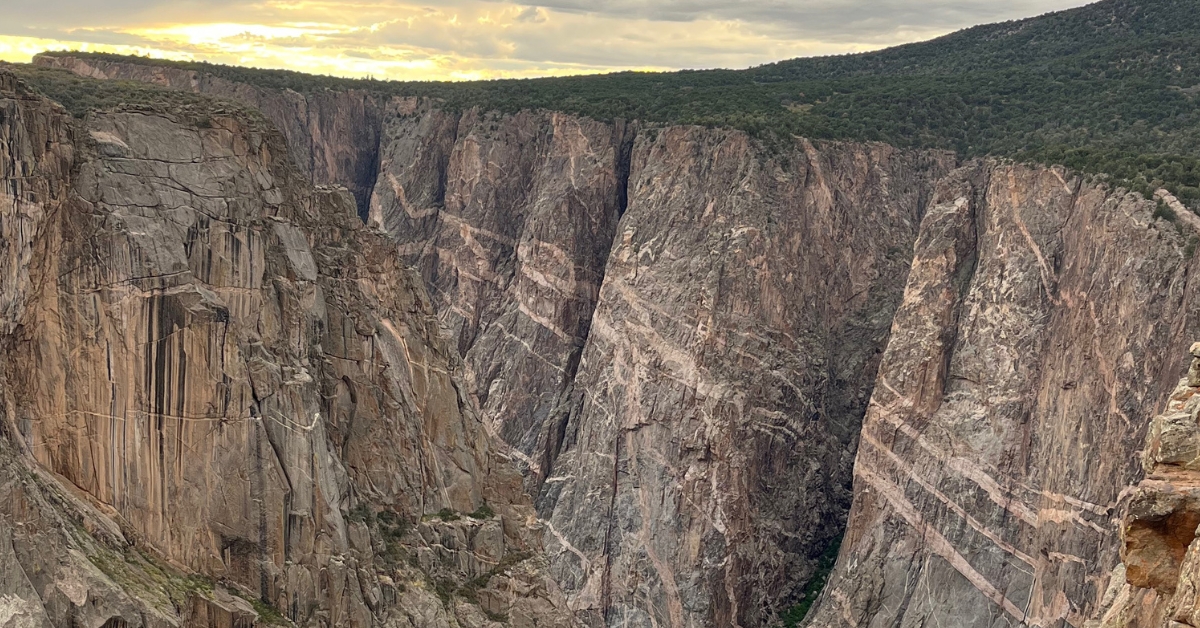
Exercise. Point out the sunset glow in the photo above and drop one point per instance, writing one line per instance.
(476, 39)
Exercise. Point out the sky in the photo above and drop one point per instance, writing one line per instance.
(480, 39)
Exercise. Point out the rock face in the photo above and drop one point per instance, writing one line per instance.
(212, 368)
(1010, 406)
(1156, 583)
(704, 460)
(677, 333)
(510, 219)
(732, 356)
(332, 136)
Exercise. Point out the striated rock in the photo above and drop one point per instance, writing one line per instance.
(211, 362)
(1159, 520)
(676, 330)
(509, 218)
(752, 297)
(705, 458)
(1006, 420)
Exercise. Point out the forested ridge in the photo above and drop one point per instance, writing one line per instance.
(1110, 88)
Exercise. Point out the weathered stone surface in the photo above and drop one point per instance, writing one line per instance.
(1158, 581)
(225, 368)
(332, 136)
(705, 459)
(677, 331)
(510, 219)
(1010, 406)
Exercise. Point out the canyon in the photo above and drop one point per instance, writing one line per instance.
(369, 360)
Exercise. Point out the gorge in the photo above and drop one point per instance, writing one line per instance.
(342, 357)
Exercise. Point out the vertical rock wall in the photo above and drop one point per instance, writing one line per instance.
(704, 463)
(224, 367)
(1036, 335)
(792, 258)
(677, 331)
(332, 136)
(509, 218)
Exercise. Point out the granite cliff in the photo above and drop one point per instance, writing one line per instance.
(679, 307)
(677, 334)
(218, 383)
(1038, 332)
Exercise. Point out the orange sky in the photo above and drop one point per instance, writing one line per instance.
(472, 39)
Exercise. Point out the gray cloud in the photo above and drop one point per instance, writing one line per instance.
(68, 14)
(534, 15)
(833, 20)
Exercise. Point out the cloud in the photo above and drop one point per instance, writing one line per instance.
(463, 39)
(532, 15)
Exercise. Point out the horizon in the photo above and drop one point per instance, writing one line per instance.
(464, 40)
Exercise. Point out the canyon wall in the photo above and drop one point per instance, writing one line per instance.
(677, 331)
(792, 257)
(1040, 329)
(332, 136)
(1156, 582)
(217, 380)
(704, 462)
(509, 218)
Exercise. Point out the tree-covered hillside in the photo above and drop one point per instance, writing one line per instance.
(1108, 88)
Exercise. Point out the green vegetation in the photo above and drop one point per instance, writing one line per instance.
(361, 513)
(483, 512)
(796, 614)
(144, 574)
(447, 514)
(81, 95)
(389, 526)
(392, 528)
(1110, 88)
(267, 613)
(498, 617)
(470, 590)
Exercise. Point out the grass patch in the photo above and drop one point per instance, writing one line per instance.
(266, 612)
(144, 575)
(446, 514)
(795, 615)
(483, 512)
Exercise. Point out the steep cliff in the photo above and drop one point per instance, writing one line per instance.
(216, 379)
(705, 459)
(332, 136)
(1156, 583)
(793, 258)
(678, 331)
(510, 219)
(1036, 336)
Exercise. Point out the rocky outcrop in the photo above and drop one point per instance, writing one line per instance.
(1010, 405)
(332, 136)
(217, 380)
(1155, 585)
